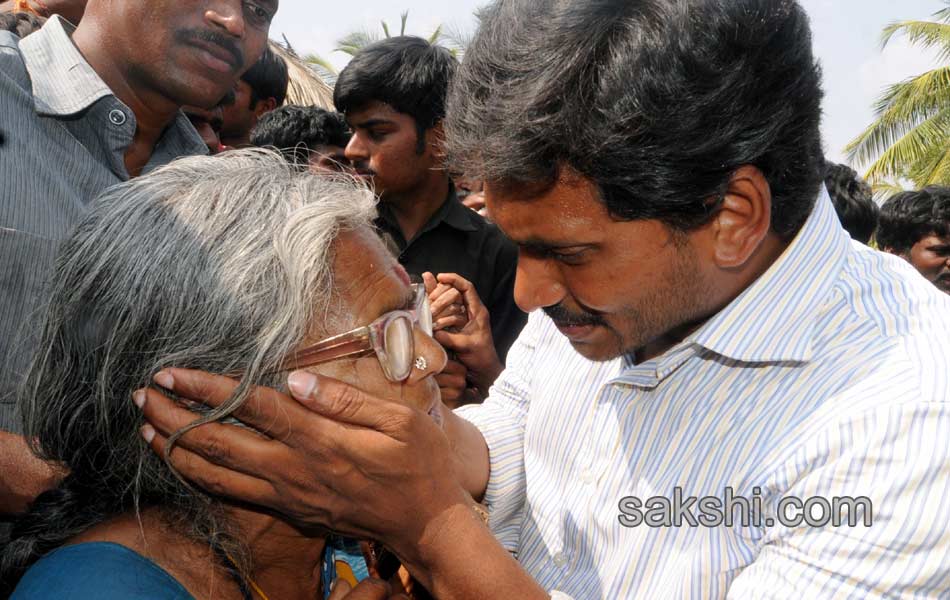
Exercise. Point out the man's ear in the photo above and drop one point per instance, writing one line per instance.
(744, 218)
(265, 106)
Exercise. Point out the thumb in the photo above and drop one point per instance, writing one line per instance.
(343, 403)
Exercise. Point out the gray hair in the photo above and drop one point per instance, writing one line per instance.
(222, 264)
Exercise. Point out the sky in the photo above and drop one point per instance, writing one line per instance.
(847, 39)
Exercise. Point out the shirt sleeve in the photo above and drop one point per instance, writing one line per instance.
(898, 458)
(501, 419)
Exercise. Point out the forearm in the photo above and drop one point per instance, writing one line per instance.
(471, 454)
(458, 558)
(23, 476)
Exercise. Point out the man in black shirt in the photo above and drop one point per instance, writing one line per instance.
(393, 96)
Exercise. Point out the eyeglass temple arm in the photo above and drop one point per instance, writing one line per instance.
(353, 343)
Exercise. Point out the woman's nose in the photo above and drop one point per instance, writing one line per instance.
(430, 357)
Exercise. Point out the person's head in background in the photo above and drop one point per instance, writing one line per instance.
(853, 200)
(393, 97)
(260, 90)
(71, 10)
(308, 137)
(916, 227)
(207, 122)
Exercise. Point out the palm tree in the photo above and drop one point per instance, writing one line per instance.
(355, 41)
(910, 137)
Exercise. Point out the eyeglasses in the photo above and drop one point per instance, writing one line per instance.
(390, 337)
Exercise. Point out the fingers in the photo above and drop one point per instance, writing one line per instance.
(452, 322)
(225, 445)
(459, 343)
(217, 480)
(267, 410)
(448, 298)
(469, 294)
(343, 403)
(428, 279)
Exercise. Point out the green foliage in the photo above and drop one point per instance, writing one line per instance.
(910, 137)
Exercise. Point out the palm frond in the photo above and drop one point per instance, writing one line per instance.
(403, 17)
(355, 41)
(884, 189)
(926, 34)
(436, 35)
(315, 60)
(913, 147)
(900, 109)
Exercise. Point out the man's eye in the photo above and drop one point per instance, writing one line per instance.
(568, 258)
(257, 14)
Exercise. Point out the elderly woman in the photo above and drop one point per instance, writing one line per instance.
(238, 265)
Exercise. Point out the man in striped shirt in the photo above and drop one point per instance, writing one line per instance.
(713, 375)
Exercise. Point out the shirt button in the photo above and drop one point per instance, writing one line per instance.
(587, 477)
(117, 117)
(560, 561)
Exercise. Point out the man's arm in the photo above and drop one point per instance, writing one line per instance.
(23, 476)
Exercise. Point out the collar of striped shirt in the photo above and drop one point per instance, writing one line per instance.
(773, 320)
(63, 82)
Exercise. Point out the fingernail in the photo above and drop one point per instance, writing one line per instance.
(139, 399)
(164, 379)
(148, 432)
(302, 384)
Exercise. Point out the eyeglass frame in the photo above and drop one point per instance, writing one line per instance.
(368, 339)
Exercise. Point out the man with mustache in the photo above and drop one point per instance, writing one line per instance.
(393, 97)
(718, 363)
(84, 108)
(916, 226)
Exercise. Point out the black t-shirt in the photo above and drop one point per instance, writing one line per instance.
(459, 240)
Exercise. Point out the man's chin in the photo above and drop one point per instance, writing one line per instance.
(599, 346)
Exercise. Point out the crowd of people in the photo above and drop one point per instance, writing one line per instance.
(464, 332)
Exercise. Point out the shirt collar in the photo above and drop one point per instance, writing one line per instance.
(63, 82)
(774, 319)
(455, 214)
(452, 212)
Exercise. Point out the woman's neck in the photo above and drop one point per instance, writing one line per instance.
(285, 563)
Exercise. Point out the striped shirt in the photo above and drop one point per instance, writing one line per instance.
(65, 140)
(827, 378)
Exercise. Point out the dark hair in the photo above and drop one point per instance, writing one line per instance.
(908, 217)
(297, 130)
(407, 73)
(853, 200)
(20, 23)
(656, 102)
(268, 78)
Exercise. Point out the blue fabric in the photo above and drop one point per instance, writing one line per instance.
(98, 571)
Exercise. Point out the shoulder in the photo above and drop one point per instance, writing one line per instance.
(100, 571)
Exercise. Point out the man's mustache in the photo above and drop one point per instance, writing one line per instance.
(566, 318)
(187, 36)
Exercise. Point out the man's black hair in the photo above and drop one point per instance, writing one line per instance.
(656, 102)
(853, 200)
(908, 217)
(406, 72)
(268, 78)
(297, 130)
